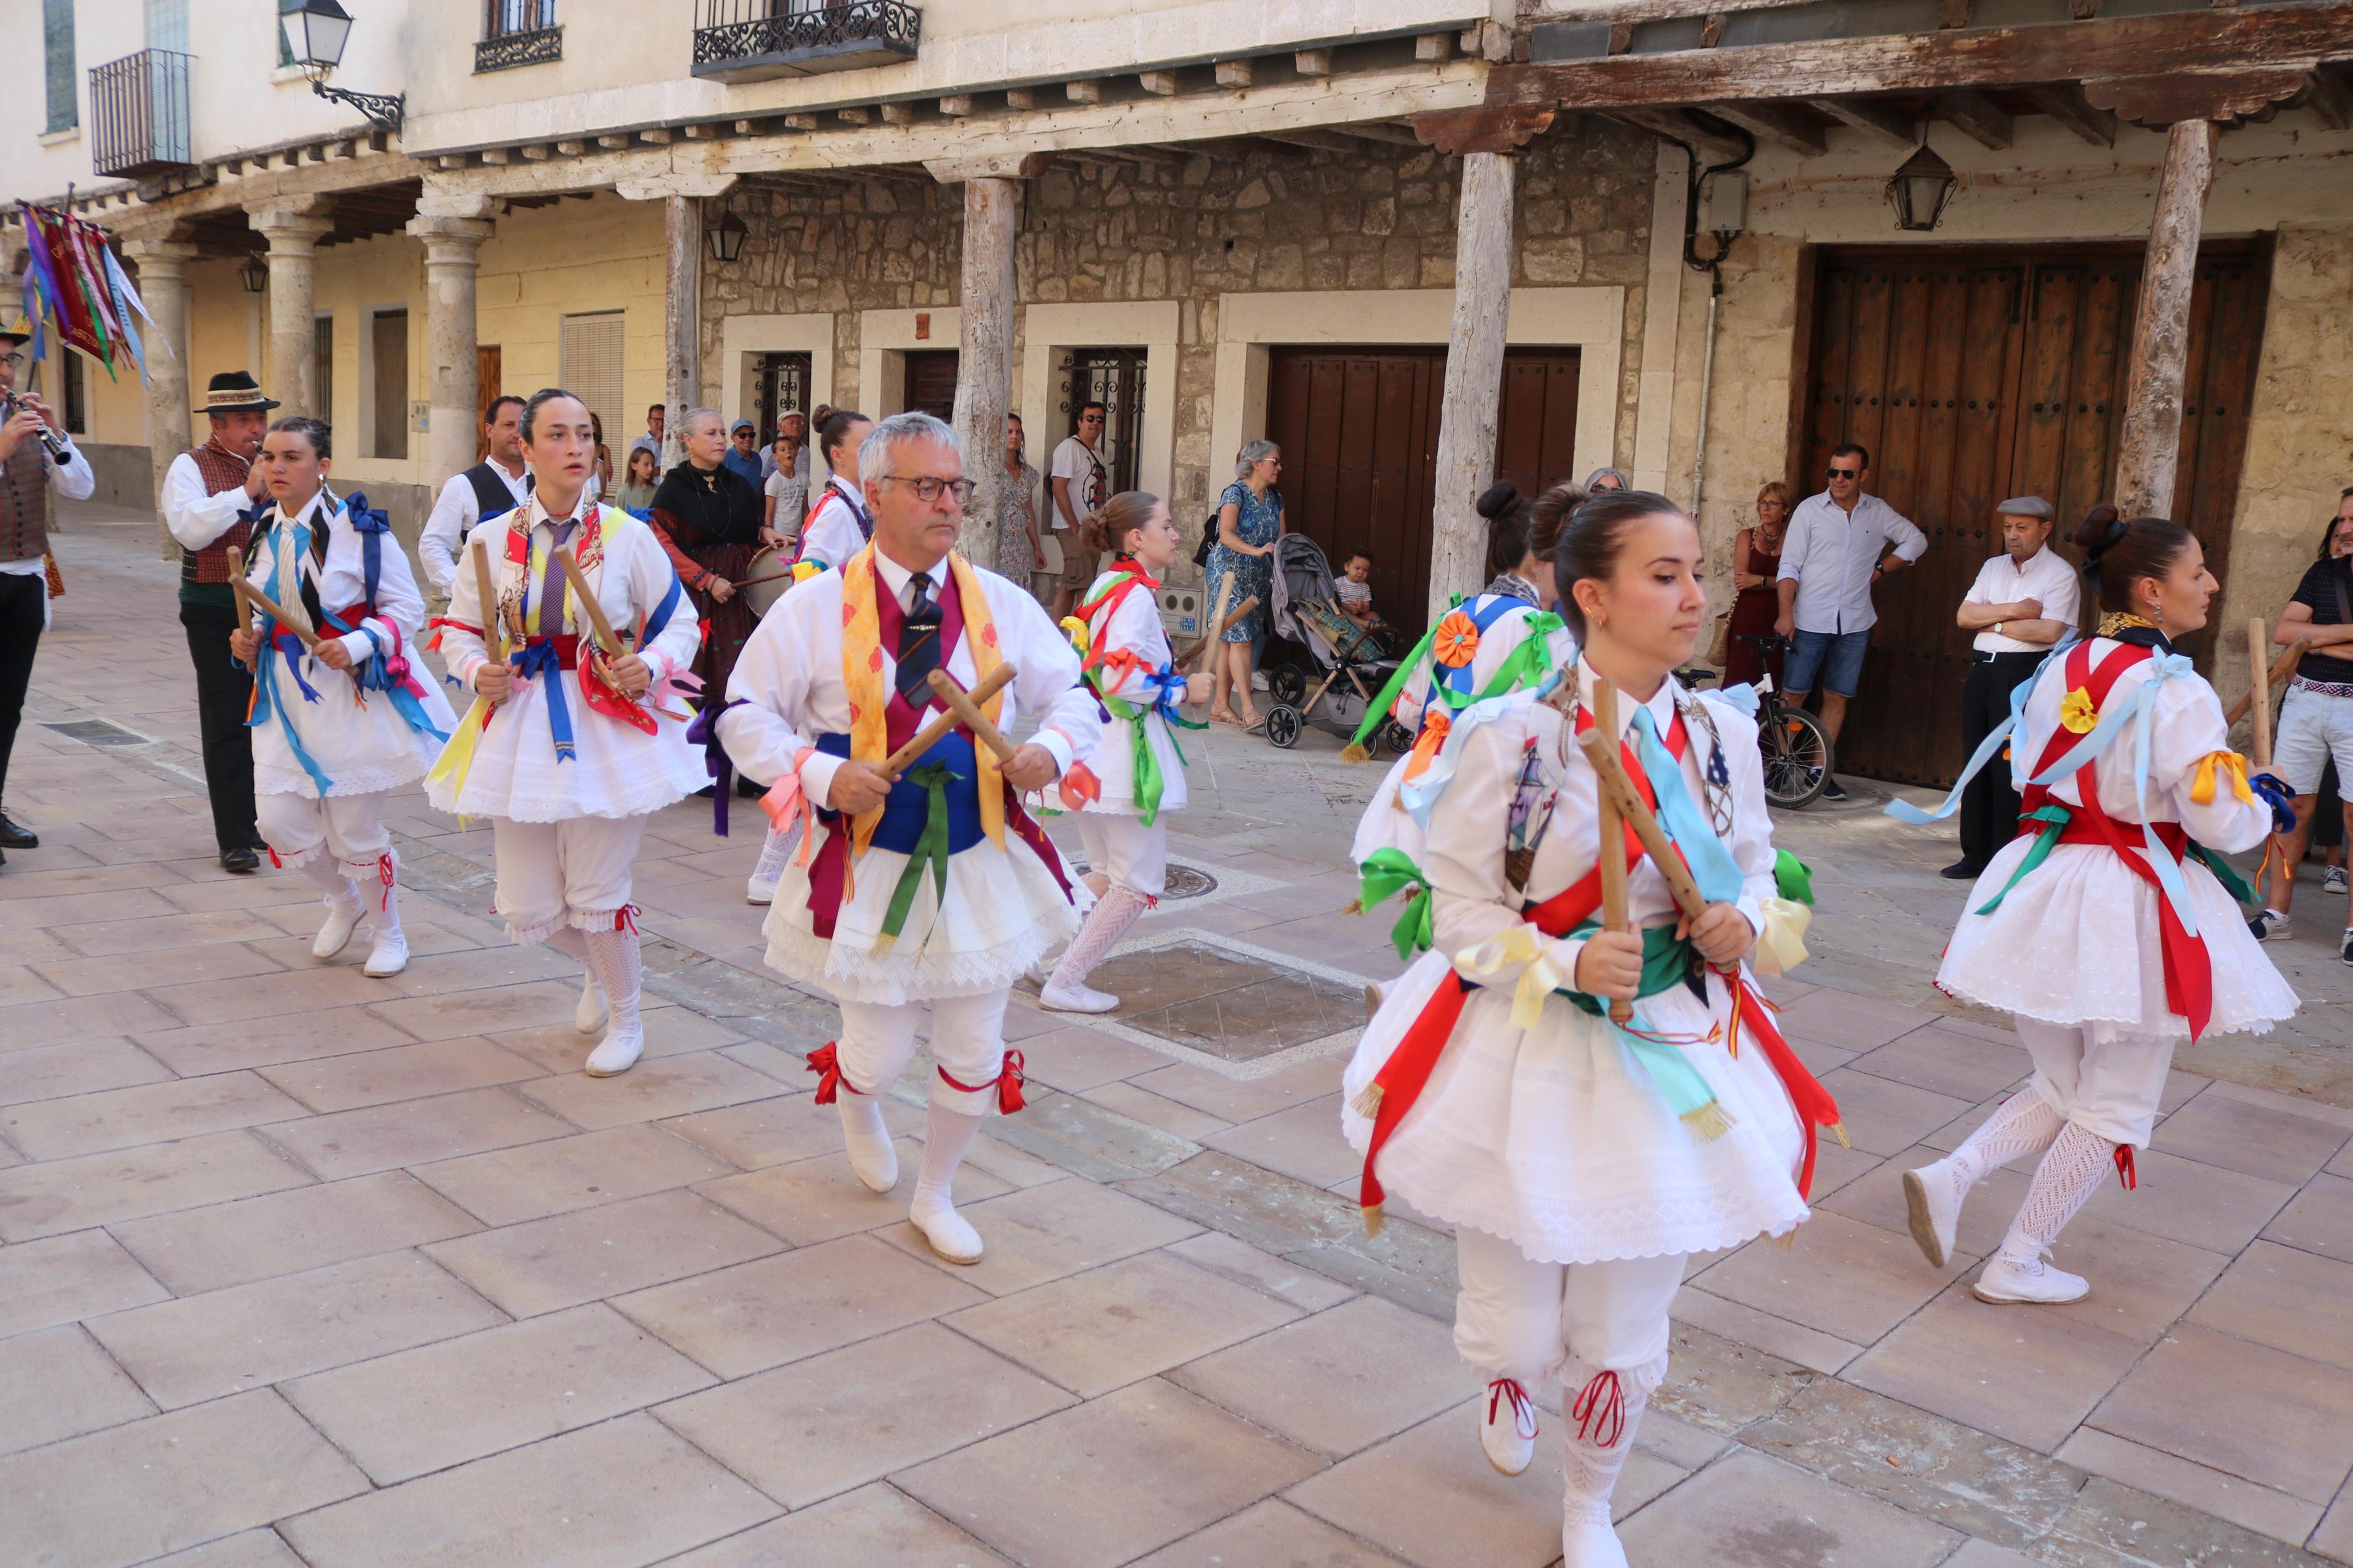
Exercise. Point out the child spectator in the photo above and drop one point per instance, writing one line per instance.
(1355, 590)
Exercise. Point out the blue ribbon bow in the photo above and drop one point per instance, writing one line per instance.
(540, 659)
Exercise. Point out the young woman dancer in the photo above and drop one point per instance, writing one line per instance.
(1579, 1159)
(1502, 639)
(1129, 665)
(839, 524)
(566, 752)
(335, 727)
(2107, 928)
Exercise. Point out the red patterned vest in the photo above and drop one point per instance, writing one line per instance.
(25, 503)
(222, 470)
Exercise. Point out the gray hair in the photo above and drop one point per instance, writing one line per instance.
(693, 417)
(874, 452)
(1253, 453)
(1598, 475)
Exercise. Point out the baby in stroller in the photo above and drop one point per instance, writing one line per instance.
(1350, 658)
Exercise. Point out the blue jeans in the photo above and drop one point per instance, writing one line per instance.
(1836, 656)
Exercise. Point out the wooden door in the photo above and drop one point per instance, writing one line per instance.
(1973, 375)
(489, 367)
(932, 382)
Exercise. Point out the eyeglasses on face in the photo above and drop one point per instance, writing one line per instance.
(927, 491)
(12, 359)
(1846, 473)
(1091, 418)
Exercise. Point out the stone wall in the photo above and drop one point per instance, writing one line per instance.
(1193, 227)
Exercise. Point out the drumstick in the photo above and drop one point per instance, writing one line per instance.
(968, 710)
(2282, 668)
(1217, 619)
(1603, 755)
(1231, 618)
(494, 631)
(1613, 861)
(928, 736)
(2260, 690)
(606, 640)
(238, 567)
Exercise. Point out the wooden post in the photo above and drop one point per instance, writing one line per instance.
(682, 311)
(163, 286)
(984, 363)
(2149, 445)
(1474, 374)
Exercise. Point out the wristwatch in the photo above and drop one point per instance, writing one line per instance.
(1997, 628)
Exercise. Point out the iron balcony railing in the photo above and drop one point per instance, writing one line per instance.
(140, 105)
(752, 40)
(504, 52)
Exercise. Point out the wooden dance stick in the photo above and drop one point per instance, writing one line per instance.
(928, 736)
(2282, 668)
(1613, 861)
(968, 713)
(605, 641)
(1218, 620)
(258, 600)
(1603, 755)
(2260, 690)
(236, 586)
(494, 630)
(1225, 623)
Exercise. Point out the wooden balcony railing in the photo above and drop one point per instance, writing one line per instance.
(139, 105)
(752, 40)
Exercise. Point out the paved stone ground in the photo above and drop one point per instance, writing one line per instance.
(296, 1265)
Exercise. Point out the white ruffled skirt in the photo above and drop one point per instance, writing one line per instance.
(361, 747)
(1004, 912)
(1556, 1138)
(2077, 944)
(1385, 825)
(616, 769)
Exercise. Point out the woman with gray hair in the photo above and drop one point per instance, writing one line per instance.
(1601, 479)
(707, 517)
(1241, 566)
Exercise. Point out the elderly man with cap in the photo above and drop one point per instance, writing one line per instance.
(743, 453)
(211, 494)
(35, 453)
(2023, 602)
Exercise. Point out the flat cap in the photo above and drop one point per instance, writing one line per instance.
(2025, 506)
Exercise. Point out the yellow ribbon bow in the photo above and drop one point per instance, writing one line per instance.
(2201, 787)
(2078, 713)
(1782, 946)
(1522, 943)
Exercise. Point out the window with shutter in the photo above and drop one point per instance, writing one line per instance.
(589, 365)
(58, 60)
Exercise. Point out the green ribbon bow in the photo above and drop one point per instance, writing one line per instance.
(1386, 873)
(2054, 818)
(1150, 782)
(1793, 879)
(1530, 662)
(931, 850)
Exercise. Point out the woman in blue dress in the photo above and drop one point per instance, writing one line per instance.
(1249, 520)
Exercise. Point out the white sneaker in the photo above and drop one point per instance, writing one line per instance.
(1584, 1545)
(1057, 998)
(2005, 1282)
(336, 934)
(618, 1052)
(1258, 681)
(589, 1015)
(949, 1233)
(1935, 1210)
(761, 893)
(2270, 926)
(2332, 880)
(1507, 1429)
(388, 955)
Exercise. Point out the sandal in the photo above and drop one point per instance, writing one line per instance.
(1225, 716)
(1252, 720)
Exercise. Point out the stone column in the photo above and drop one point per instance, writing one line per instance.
(681, 310)
(452, 256)
(2149, 443)
(162, 285)
(1474, 376)
(293, 229)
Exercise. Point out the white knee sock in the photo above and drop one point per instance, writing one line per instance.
(775, 850)
(1118, 909)
(368, 877)
(2067, 1177)
(1604, 1407)
(328, 873)
(614, 959)
(947, 1135)
(2023, 1124)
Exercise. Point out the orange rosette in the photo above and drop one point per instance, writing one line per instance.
(1456, 641)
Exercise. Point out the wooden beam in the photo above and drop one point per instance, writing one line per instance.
(1874, 115)
(1675, 125)
(1234, 73)
(898, 115)
(1382, 131)
(1479, 129)
(2169, 98)
(1020, 98)
(536, 151)
(1083, 91)
(657, 137)
(2329, 99)
(1157, 157)
(853, 115)
(701, 133)
(2064, 102)
(1159, 84)
(957, 105)
(1313, 62)
(1434, 47)
(1778, 123)
(1977, 116)
(1955, 12)
(1981, 58)
(614, 143)
(2149, 439)
(800, 121)
(493, 156)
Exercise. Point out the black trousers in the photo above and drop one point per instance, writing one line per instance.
(21, 601)
(1989, 806)
(224, 689)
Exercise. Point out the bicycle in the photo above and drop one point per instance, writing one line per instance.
(1795, 749)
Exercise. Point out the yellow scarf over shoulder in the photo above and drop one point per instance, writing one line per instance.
(870, 693)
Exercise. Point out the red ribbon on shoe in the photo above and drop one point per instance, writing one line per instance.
(1524, 1414)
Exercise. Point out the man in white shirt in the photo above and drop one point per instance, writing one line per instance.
(1080, 483)
(35, 454)
(1839, 544)
(491, 487)
(652, 439)
(2023, 602)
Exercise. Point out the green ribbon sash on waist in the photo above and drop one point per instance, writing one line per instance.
(931, 850)
(1150, 782)
(1668, 961)
(2054, 817)
(1386, 873)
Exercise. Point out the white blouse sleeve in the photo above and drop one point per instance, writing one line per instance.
(1471, 902)
(2190, 728)
(771, 688)
(1751, 839)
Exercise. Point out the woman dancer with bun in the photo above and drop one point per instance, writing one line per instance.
(837, 526)
(1130, 666)
(567, 751)
(1581, 1159)
(2107, 928)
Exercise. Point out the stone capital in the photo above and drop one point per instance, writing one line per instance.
(159, 257)
(450, 241)
(290, 230)
(989, 166)
(441, 201)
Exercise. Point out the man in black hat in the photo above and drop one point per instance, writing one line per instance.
(35, 453)
(208, 493)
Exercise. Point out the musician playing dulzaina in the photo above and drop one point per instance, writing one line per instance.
(1578, 1159)
(567, 751)
(338, 726)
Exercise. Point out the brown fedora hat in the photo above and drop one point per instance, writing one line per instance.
(235, 392)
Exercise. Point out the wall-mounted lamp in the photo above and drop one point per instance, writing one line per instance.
(253, 274)
(727, 236)
(315, 33)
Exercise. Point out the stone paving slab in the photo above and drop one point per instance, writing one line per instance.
(298, 1266)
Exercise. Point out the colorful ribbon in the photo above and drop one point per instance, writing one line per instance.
(540, 660)
(1380, 876)
(931, 851)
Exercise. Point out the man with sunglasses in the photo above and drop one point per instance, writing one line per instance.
(1840, 544)
(35, 453)
(1080, 483)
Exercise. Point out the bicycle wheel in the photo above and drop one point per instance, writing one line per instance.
(1796, 750)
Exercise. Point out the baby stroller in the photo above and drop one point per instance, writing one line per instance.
(1348, 657)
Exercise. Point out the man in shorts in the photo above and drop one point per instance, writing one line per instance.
(1080, 483)
(2316, 719)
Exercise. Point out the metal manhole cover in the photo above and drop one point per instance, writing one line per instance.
(98, 732)
(1183, 881)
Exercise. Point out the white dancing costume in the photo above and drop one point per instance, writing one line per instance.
(1130, 662)
(838, 526)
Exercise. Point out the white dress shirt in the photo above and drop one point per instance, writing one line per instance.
(453, 518)
(831, 534)
(195, 518)
(2043, 578)
(1829, 554)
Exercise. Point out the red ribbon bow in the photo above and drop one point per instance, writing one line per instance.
(826, 1062)
(1601, 1405)
(1524, 1414)
(1008, 1081)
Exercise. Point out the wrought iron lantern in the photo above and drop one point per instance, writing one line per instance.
(1922, 189)
(727, 236)
(315, 33)
(253, 274)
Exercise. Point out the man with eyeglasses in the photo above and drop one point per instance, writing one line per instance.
(931, 885)
(1839, 544)
(1080, 483)
(35, 453)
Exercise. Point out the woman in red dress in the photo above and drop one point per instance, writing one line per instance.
(1756, 604)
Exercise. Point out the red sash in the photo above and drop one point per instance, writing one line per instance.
(2188, 968)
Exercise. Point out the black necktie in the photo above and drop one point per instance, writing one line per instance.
(919, 642)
